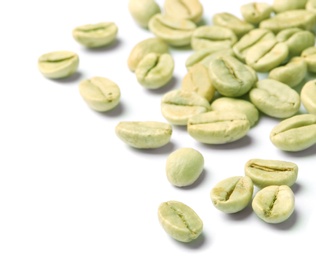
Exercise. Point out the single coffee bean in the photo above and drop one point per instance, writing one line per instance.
(184, 166)
(141, 49)
(212, 37)
(218, 127)
(267, 55)
(256, 12)
(291, 74)
(274, 204)
(95, 35)
(309, 56)
(180, 221)
(58, 64)
(275, 99)
(184, 9)
(205, 56)
(231, 77)
(155, 70)
(177, 106)
(250, 39)
(296, 40)
(308, 96)
(143, 10)
(265, 173)
(238, 26)
(233, 194)
(144, 134)
(235, 104)
(280, 6)
(295, 134)
(101, 94)
(175, 32)
(198, 80)
(303, 19)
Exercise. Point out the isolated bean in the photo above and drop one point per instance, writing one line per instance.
(95, 35)
(180, 221)
(265, 173)
(295, 134)
(100, 93)
(285, 5)
(232, 194)
(274, 204)
(144, 134)
(309, 56)
(58, 64)
(184, 166)
(218, 127)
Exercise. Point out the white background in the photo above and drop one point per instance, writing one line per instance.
(71, 190)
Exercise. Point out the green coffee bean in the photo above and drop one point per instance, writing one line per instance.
(309, 56)
(144, 134)
(58, 64)
(238, 26)
(265, 173)
(143, 10)
(176, 32)
(101, 94)
(218, 127)
(177, 106)
(234, 104)
(205, 56)
(266, 55)
(296, 39)
(303, 19)
(292, 74)
(184, 166)
(274, 204)
(250, 39)
(184, 9)
(180, 221)
(198, 80)
(95, 35)
(275, 98)
(155, 70)
(141, 49)
(294, 134)
(256, 12)
(308, 96)
(212, 37)
(233, 194)
(285, 5)
(230, 77)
